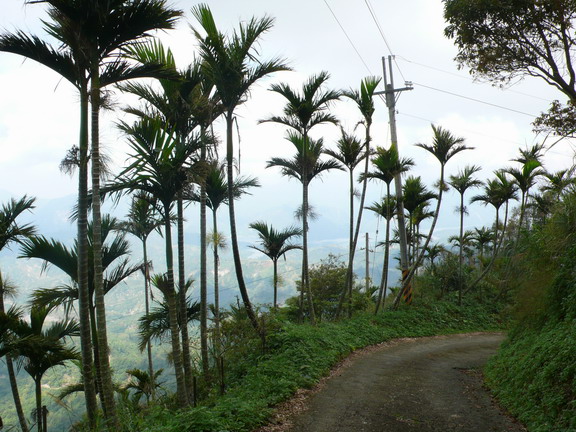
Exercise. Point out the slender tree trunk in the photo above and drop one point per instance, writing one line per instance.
(306, 279)
(216, 265)
(350, 269)
(460, 255)
(233, 236)
(275, 261)
(181, 393)
(83, 288)
(203, 285)
(13, 381)
(107, 388)
(38, 391)
(384, 281)
(147, 311)
(182, 306)
(351, 245)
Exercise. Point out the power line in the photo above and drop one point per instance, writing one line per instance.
(348, 37)
(377, 22)
(475, 100)
(468, 78)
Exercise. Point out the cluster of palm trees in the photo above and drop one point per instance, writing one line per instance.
(173, 160)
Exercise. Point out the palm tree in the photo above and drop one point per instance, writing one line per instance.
(304, 166)
(558, 181)
(184, 103)
(350, 153)
(525, 178)
(216, 191)
(304, 110)
(231, 64)
(385, 209)
(482, 237)
(13, 232)
(158, 167)
(462, 182)
(365, 103)
(497, 192)
(444, 146)
(387, 166)
(39, 349)
(274, 244)
(142, 220)
(143, 383)
(415, 196)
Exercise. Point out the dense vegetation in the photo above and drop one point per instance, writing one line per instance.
(246, 358)
(534, 374)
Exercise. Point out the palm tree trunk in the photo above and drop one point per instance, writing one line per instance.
(182, 306)
(147, 311)
(354, 241)
(203, 285)
(181, 393)
(384, 281)
(38, 391)
(13, 382)
(83, 289)
(233, 235)
(461, 256)
(275, 283)
(107, 388)
(216, 264)
(305, 273)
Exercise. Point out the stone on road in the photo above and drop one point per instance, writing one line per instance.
(425, 384)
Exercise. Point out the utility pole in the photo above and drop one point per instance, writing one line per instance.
(390, 94)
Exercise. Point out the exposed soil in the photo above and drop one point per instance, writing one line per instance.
(407, 385)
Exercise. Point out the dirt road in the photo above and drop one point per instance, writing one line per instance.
(429, 384)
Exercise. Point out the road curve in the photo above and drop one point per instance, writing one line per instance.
(426, 384)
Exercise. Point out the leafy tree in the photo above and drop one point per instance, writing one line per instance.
(11, 231)
(305, 109)
(505, 40)
(304, 166)
(274, 244)
(231, 64)
(462, 182)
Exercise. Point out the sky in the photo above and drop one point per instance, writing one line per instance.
(39, 111)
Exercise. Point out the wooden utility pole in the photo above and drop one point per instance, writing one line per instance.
(390, 94)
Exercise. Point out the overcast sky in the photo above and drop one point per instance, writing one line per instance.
(39, 111)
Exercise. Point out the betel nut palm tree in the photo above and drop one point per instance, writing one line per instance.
(461, 183)
(350, 152)
(365, 104)
(231, 64)
(158, 166)
(387, 165)
(305, 109)
(304, 166)
(92, 35)
(39, 348)
(275, 244)
(216, 190)
(11, 231)
(444, 146)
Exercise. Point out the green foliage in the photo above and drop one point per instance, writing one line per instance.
(534, 374)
